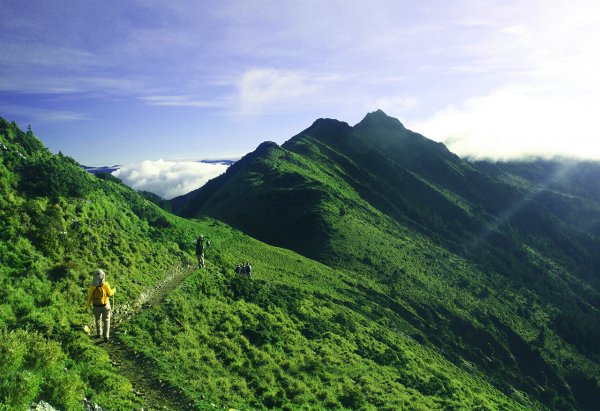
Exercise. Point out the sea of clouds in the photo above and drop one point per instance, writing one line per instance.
(168, 179)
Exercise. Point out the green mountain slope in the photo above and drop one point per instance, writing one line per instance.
(576, 178)
(496, 272)
(296, 335)
(404, 310)
(58, 224)
(299, 334)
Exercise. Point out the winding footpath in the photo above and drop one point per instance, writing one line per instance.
(155, 393)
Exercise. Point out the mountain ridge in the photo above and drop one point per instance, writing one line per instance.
(398, 276)
(296, 335)
(379, 172)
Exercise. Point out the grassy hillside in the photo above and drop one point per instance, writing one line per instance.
(57, 225)
(298, 334)
(60, 223)
(498, 274)
(397, 314)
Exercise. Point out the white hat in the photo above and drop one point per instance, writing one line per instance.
(99, 277)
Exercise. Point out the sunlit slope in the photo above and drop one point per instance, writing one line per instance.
(58, 224)
(493, 272)
(298, 334)
(500, 314)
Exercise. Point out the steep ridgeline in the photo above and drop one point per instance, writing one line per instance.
(491, 266)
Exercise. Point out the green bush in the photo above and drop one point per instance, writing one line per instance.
(50, 177)
(34, 368)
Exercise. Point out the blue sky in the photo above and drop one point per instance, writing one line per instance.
(116, 82)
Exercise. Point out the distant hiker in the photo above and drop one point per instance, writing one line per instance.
(98, 295)
(200, 247)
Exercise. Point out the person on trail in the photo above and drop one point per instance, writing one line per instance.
(200, 246)
(98, 295)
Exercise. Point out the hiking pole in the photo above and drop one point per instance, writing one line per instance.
(115, 297)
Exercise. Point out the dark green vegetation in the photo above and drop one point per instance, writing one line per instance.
(495, 266)
(408, 279)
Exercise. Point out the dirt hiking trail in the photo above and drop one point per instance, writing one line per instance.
(153, 392)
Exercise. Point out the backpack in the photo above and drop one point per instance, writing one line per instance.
(99, 296)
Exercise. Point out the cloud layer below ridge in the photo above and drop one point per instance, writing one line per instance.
(168, 179)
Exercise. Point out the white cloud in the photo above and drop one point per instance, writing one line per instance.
(516, 122)
(549, 101)
(168, 179)
(23, 56)
(182, 101)
(261, 88)
(41, 115)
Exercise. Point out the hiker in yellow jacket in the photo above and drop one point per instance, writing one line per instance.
(99, 294)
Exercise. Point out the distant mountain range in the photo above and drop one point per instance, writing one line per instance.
(101, 169)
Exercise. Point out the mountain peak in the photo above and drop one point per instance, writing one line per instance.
(379, 118)
(266, 145)
(321, 129)
(328, 123)
(263, 149)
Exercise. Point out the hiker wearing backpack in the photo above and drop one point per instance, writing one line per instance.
(98, 295)
(200, 246)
